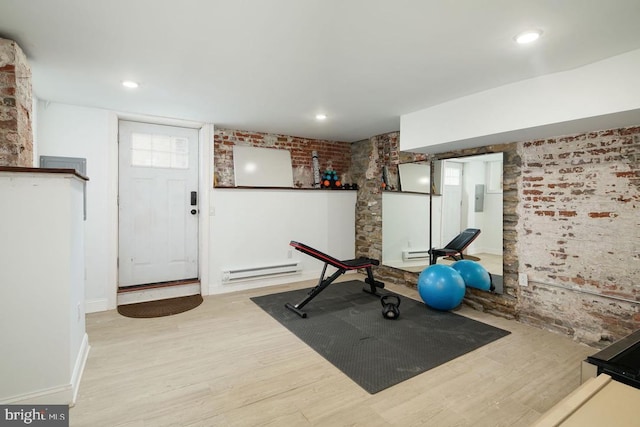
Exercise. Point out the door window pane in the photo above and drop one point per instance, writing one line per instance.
(451, 176)
(159, 151)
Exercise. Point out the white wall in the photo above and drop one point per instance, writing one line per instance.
(34, 129)
(490, 219)
(42, 288)
(405, 224)
(473, 174)
(262, 220)
(550, 105)
(492, 225)
(252, 228)
(72, 131)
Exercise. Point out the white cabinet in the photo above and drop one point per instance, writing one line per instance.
(42, 320)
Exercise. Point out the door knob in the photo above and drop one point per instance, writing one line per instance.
(193, 211)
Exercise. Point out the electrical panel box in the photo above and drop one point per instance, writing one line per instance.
(77, 163)
(479, 198)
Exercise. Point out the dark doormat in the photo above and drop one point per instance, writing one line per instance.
(346, 327)
(160, 308)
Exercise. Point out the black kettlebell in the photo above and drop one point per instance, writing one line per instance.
(390, 306)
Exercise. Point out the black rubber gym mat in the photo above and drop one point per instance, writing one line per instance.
(346, 327)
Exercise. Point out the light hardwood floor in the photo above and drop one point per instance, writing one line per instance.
(228, 363)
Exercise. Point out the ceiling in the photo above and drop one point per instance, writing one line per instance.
(272, 65)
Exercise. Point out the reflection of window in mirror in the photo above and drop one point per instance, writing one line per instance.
(452, 175)
(494, 177)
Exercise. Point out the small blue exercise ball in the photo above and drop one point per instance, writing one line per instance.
(473, 274)
(441, 287)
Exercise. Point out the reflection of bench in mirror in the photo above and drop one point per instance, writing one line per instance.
(453, 252)
(456, 247)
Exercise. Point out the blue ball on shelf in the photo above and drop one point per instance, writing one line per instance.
(441, 287)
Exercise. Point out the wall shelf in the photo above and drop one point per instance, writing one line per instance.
(277, 188)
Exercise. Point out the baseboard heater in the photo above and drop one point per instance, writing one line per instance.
(415, 254)
(260, 271)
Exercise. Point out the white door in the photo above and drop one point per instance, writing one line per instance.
(451, 201)
(158, 212)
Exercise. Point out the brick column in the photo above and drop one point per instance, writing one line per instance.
(16, 137)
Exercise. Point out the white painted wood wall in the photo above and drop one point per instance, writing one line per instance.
(42, 316)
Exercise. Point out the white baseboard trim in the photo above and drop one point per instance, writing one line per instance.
(96, 305)
(60, 395)
(78, 368)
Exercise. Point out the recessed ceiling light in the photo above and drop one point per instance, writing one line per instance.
(130, 84)
(321, 117)
(528, 36)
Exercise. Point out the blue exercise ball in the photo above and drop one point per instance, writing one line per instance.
(473, 274)
(441, 287)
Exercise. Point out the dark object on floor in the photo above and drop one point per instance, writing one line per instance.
(621, 360)
(345, 327)
(341, 266)
(160, 308)
(390, 306)
(455, 247)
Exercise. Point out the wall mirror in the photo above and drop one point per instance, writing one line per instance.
(466, 192)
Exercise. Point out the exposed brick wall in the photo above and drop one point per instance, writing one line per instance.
(331, 154)
(16, 137)
(388, 146)
(580, 229)
(368, 159)
(366, 170)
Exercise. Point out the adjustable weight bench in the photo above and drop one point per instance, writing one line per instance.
(342, 267)
(455, 247)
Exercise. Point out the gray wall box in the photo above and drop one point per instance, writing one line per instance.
(77, 163)
(57, 162)
(479, 199)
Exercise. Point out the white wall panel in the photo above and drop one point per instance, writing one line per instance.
(254, 227)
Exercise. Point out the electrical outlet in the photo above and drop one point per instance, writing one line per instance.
(523, 280)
